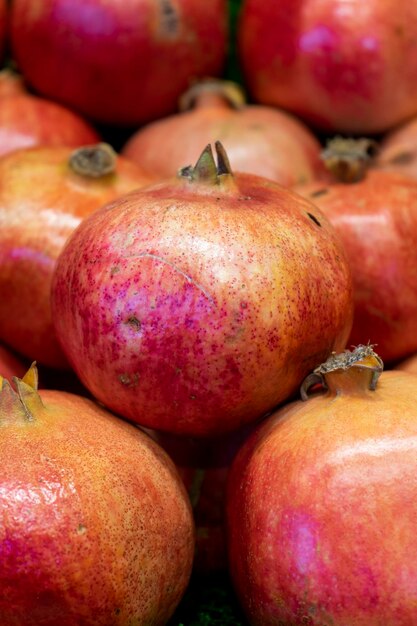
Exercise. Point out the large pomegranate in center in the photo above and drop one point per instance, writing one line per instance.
(197, 304)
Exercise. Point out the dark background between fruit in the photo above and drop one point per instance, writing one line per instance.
(210, 600)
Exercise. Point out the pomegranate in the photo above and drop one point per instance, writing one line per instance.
(260, 140)
(397, 150)
(124, 63)
(44, 194)
(375, 218)
(10, 364)
(322, 502)
(195, 305)
(26, 121)
(96, 525)
(342, 66)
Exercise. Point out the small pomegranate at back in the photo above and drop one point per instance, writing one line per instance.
(259, 140)
(196, 305)
(44, 194)
(96, 527)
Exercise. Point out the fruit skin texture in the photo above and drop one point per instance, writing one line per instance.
(322, 507)
(26, 120)
(194, 307)
(259, 140)
(377, 223)
(337, 64)
(124, 62)
(41, 202)
(96, 528)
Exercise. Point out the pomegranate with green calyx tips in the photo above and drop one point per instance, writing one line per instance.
(374, 214)
(258, 139)
(322, 502)
(44, 194)
(196, 305)
(96, 527)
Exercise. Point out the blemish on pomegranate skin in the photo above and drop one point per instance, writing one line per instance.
(169, 20)
(129, 380)
(134, 323)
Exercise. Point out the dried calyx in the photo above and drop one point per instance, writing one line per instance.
(362, 357)
(212, 90)
(206, 170)
(348, 159)
(22, 403)
(93, 161)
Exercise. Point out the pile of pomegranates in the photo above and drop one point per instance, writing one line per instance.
(208, 304)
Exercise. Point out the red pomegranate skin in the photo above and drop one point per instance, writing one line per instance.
(96, 527)
(4, 17)
(320, 508)
(10, 364)
(397, 151)
(196, 308)
(124, 62)
(377, 223)
(41, 202)
(259, 140)
(339, 65)
(26, 121)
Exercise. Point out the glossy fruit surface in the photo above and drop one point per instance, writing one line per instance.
(339, 65)
(197, 304)
(124, 62)
(96, 527)
(26, 121)
(42, 200)
(259, 140)
(322, 504)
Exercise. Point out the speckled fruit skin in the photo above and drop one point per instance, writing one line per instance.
(195, 308)
(96, 528)
(41, 203)
(26, 120)
(376, 220)
(322, 509)
(259, 140)
(124, 62)
(339, 65)
(10, 364)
